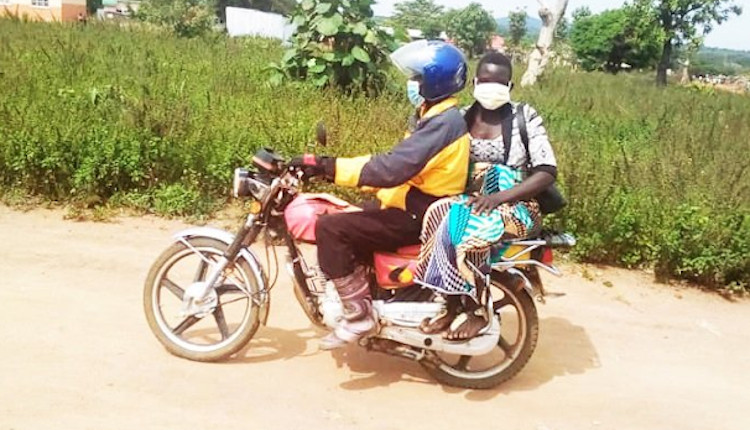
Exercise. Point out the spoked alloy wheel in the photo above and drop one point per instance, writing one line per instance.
(519, 331)
(210, 337)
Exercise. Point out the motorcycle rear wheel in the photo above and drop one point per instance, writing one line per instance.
(519, 332)
(212, 337)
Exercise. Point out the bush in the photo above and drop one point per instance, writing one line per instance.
(338, 44)
(178, 199)
(186, 18)
(654, 177)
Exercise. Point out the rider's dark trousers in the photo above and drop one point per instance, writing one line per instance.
(347, 239)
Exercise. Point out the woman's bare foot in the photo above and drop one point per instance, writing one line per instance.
(466, 325)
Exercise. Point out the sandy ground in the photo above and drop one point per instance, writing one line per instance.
(616, 351)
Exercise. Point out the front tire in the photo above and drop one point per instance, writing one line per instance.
(519, 332)
(211, 337)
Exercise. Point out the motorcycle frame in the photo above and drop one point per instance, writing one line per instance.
(270, 217)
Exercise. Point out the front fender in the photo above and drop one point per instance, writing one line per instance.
(246, 254)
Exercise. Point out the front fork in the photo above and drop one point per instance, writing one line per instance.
(199, 297)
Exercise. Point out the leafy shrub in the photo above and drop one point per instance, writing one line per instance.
(178, 199)
(123, 115)
(336, 43)
(186, 18)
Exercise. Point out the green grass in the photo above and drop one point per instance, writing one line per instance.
(121, 115)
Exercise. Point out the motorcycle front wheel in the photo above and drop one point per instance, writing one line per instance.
(519, 332)
(211, 337)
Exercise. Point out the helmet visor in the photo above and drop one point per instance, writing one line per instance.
(412, 58)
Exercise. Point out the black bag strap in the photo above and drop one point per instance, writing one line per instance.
(523, 131)
(507, 129)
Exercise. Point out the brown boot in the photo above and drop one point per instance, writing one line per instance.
(354, 291)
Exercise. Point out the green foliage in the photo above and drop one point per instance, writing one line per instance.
(517, 26)
(422, 15)
(470, 27)
(606, 40)
(581, 12)
(337, 43)
(120, 116)
(562, 31)
(652, 177)
(179, 200)
(186, 18)
(119, 112)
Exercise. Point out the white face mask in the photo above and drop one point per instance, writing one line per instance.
(491, 95)
(412, 91)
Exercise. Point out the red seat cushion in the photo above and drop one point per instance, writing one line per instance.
(409, 251)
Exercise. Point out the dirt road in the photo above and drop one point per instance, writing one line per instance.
(77, 353)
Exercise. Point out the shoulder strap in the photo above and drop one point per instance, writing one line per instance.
(522, 129)
(506, 124)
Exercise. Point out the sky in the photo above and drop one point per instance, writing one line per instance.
(733, 33)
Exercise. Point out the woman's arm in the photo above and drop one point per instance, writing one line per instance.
(527, 189)
(543, 168)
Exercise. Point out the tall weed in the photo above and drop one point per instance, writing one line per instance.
(654, 177)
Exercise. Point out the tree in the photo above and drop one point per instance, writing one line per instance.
(92, 6)
(581, 12)
(186, 18)
(563, 29)
(517, 26)
(337, 43)
(422, 15)
(685, 20)
(540, 55)
(606, 40)
(471, 28)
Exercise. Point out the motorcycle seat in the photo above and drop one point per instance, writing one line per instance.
(409, 251)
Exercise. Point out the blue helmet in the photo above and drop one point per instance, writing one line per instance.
(440, 66)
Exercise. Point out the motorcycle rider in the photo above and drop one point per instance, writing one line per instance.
(430, 163)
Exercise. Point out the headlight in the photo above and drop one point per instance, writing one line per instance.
(240, 186)
(245, 184)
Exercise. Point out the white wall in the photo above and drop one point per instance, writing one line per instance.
(250, 22)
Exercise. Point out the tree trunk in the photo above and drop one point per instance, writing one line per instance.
(661, 71)
(685, 78)
(539, 57)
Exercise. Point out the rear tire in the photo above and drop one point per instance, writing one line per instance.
(159, 288)
(517, 351)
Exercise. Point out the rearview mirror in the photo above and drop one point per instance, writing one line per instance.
(321, 135)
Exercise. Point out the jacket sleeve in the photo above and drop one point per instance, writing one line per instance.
(402, 163)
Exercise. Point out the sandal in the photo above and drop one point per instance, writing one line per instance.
(467, 325)
(438, 323)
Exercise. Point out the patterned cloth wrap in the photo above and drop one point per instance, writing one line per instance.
(453, 236)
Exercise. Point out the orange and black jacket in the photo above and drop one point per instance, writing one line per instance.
(430, 163)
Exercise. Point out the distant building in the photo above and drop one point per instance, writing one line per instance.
(44, 10)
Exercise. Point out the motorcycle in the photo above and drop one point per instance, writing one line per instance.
(207, 294)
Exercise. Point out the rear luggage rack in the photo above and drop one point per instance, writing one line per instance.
(560, 240)
(530, 252)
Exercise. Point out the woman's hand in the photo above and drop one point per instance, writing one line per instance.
(485, 204)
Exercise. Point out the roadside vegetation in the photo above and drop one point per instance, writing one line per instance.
(102, 115)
